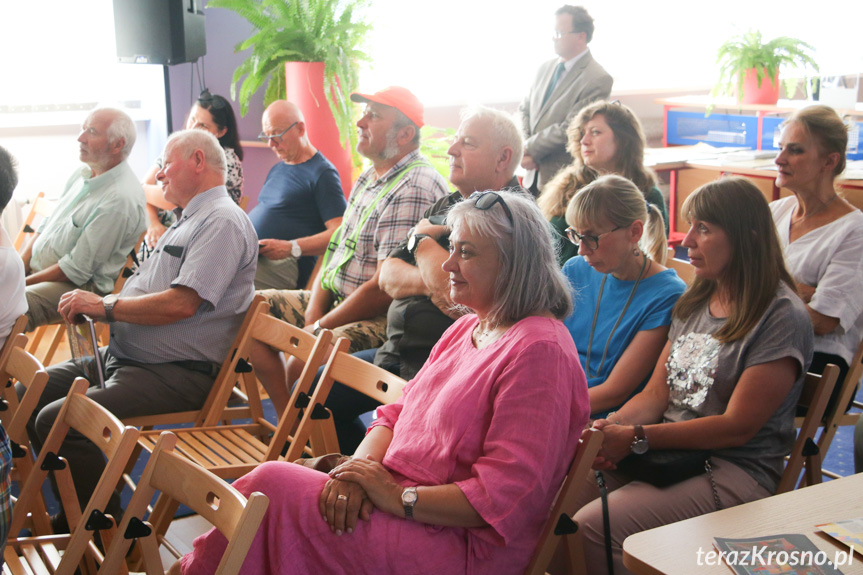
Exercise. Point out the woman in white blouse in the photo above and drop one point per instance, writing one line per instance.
(821, 233)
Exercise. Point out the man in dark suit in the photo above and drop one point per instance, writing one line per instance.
(562, 87)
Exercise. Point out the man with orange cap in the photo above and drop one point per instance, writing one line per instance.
(386, 201)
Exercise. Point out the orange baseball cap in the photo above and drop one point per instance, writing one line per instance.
(396, 97)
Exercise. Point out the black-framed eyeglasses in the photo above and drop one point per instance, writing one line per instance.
(214, 102)
(590, 241)
(265, 138)
(487, 200)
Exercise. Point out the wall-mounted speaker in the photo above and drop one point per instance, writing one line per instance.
(159, 31)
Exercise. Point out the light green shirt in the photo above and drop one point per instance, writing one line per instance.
(95, 225)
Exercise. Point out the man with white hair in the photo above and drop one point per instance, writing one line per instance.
(98, 220)
(175, 318)
(484, 155)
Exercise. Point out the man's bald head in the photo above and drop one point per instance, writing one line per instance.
(291, 146)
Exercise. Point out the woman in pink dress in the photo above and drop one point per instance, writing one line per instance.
(459, 475)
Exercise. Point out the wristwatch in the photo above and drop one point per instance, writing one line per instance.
(414, 242)
(409, 499)
(639, 444)
(296, 250)
(316, 328)
(109, 301)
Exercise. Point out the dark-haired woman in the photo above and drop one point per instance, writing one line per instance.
(211, 113)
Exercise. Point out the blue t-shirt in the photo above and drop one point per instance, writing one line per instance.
(295, 201)
(650, 308)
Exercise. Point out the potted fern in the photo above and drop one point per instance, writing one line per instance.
(321, 41)
(745, 62)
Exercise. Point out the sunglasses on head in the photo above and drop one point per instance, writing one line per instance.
(487, 200)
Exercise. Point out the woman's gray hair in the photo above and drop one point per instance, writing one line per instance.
(530, 281)
(187, 141)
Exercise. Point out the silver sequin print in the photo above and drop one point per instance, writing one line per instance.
(691, 366)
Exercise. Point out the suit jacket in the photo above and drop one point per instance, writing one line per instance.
(545, 126)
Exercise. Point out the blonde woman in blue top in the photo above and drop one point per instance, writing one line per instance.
(623, 295)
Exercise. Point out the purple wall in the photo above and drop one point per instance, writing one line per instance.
(224, 30)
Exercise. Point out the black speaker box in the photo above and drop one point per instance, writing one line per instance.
(159, 31)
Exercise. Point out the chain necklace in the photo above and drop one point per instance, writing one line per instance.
(619, 319)
(814, 212)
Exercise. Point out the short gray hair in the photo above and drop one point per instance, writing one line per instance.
(121, 126)
(530, 281)
(187, 141)
(504, 132)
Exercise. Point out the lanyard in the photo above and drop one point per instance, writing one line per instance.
(329, 270)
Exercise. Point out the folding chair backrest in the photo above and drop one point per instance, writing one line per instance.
(39, 207)
(559, 526)
(236, 517)
(684, 269)
(309, 349)
(215, 406)
(117, 443)
(21, 367)
(17, 328)
(362, 376)
(814, 397)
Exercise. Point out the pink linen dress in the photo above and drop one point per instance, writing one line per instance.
(502, 423)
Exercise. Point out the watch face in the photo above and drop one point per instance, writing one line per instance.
(412, 243)
(111, 299)
(639, 446)
(409, 496)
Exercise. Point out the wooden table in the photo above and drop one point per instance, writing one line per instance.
(673, 549)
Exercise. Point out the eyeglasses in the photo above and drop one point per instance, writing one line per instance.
(487, 200)
(591, 242)
(265, 138)
(558, 35)
(215, 102)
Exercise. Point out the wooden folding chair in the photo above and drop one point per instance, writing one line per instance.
(42, 554)
(560, 528)
(17, 328)
(836, 417)
(175, 477)
(39, 207)
(235, 366)
(684, 269)
(362, 376)
(21, 367)
(231, 451)
(806, 453)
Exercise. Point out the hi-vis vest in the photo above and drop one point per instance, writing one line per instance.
(331, 269)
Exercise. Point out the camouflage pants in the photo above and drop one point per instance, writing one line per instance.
(290, 306)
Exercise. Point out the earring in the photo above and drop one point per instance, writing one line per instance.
(636, 252)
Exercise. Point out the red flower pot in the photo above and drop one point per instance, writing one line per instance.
(304, 84)
(768, 93)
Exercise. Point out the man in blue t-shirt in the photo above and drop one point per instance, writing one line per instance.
(300, 205)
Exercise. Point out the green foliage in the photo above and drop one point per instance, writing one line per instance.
(329, 31)
(746, 51)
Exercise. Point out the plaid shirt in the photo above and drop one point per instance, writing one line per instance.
(389, 222)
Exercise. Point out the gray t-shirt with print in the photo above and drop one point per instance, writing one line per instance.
(703, 372)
